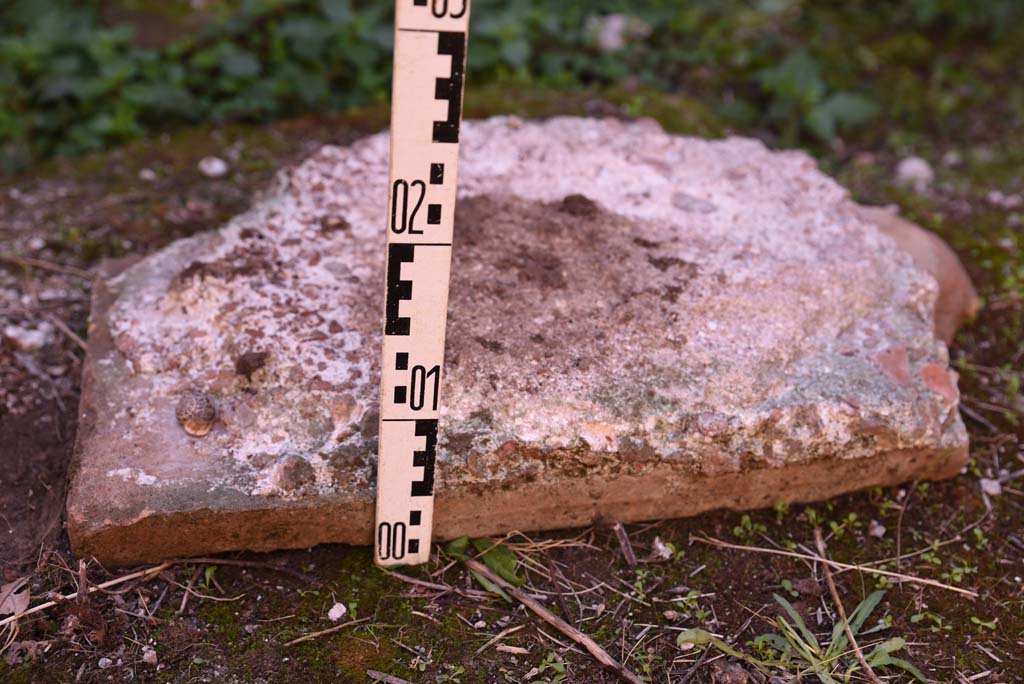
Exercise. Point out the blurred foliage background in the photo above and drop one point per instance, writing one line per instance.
(80, 76)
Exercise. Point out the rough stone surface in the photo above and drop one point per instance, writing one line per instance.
(641, 326)
(957, 301)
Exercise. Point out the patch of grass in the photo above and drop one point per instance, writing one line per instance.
(797, 652)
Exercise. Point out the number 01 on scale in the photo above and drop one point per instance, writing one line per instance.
(426, 112)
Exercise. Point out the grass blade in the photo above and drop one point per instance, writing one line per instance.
(798, 622)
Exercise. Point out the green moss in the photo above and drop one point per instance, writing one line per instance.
(17, 674)
(223, 617)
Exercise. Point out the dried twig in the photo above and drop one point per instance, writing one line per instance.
(248, 564)
(418, 582)
(561, 625)
(532, 546)
(514, 650)
(688, 675)
(83, 581)
(325, 632)
(147, 573)
(188, 590)
(498, 637)
(835, 564)
(931, 547)
(977, 417)
(627, 548)
(46, 266)
(899, 525)
(71, 334)
(820, 543)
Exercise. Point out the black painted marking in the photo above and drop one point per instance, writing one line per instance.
(420, 3)
(433, 214)
(450, 43)
(414, 546)
(402, 361)
(436, 174)
(425, 458)
(415, 517)
(400, 395)
(398, 253)
(430, 244)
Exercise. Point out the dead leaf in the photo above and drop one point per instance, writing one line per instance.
(14, 597)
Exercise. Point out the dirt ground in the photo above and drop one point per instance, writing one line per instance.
(232, 619)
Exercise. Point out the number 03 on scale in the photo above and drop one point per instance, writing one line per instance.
(426, 110)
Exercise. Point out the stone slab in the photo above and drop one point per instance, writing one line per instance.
(641, 326)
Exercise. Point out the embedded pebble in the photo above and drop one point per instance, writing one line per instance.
(991, 487)
(213, 167)
(29, 339)
(876, 529)
(915, 172)
(196, 413)
(337, 612)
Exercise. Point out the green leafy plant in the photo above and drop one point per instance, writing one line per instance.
(208, 576)
(937, 622)
(795, 649)
(452, 676)
(839, 529)
(781, 509)
(796, 71)
(801, 97)
(553, 666)
(690, 607)
(748, 529)
(501, 559)
(984, 624)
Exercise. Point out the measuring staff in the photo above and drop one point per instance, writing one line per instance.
(426, 112)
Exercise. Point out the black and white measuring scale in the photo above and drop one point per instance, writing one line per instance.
(426, 112)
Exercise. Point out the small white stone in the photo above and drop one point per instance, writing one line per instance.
(659, 550)
(876, 529)
(213, 167)
(104, 663)
(991, 487)
(952, 158)
(149, 655)
(915, 172)
(1004, 201)
(614, 31)
(480, 624)
(149, 175)
(29, 339)
(36, 244)
(337, 612)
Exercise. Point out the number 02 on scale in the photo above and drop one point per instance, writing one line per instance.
(426, 111)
